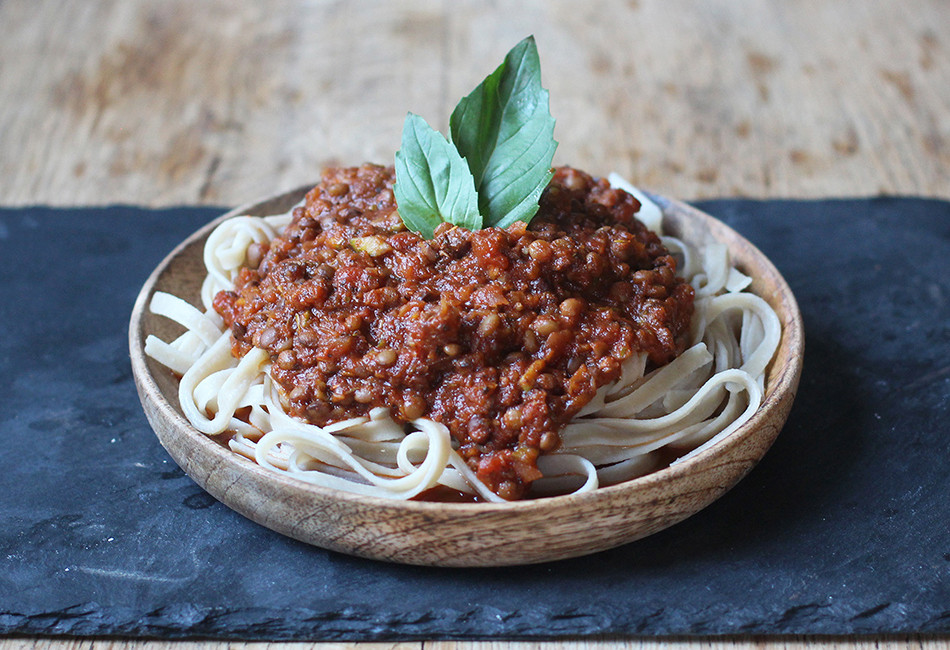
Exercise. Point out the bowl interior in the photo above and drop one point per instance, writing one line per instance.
(465, 534)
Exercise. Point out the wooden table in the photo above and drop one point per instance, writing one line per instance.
(179, 102)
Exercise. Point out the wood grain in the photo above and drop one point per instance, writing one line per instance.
(465, 534)
(221, 102)
(161, 103)
(893, 642)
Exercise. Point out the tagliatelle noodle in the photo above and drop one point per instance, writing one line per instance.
(677, 410)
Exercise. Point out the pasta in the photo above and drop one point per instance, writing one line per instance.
(631, 427)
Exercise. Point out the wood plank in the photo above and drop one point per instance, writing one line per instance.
(892, 642)
(155, 644)
(908, 642)
(224, 102)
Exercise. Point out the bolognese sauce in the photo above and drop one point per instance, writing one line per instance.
(500, 334)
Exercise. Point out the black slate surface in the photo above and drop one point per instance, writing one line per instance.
(843, 528)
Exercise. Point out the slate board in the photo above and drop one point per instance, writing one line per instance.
(843, 528)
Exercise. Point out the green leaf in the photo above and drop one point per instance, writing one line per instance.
(433, 182)
(505, 132)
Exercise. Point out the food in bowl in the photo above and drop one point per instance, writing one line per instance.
(403, 334)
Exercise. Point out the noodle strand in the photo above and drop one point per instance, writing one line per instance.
(688, 405)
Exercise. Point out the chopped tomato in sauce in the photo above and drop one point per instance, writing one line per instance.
(502, 335)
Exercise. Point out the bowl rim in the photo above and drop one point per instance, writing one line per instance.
(776, 393)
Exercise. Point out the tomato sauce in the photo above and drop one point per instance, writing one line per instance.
(503, 335)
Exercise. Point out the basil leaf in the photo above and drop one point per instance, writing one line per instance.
(505, 131)
(433, 182)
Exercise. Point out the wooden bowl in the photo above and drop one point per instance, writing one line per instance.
(465, 534)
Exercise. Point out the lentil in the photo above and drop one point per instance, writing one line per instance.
(503, 335)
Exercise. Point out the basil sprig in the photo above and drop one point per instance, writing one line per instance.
(498, 162)
(433, 183)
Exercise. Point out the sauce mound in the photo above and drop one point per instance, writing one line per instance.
(502, 335)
